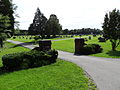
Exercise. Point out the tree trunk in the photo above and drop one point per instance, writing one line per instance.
(48, 36)
(1, 43)
(113, 46)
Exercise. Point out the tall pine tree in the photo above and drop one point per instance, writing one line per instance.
(4, 24)
(6, 9)
(39, 23)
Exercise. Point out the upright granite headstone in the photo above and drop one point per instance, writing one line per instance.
(45, 45)
(79, 44)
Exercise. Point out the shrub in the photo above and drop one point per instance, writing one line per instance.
(101, 39)
(91, 49)
(29, 59)
(80, 35)
(85, 39)
(12, 60)
(37, 37)
(19, 37)
(89, 37)
(30, 38)
(14, 37)
(72, 36)
(94, 35)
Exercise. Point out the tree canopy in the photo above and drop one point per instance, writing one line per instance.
(7, 9)
(43, 27)
(39, 23)
(53, 26)
(111, 28)
(4, 24)
(6, 19)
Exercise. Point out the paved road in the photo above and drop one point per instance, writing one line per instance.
(104, 71)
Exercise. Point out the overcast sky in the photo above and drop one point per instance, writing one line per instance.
(72, 14)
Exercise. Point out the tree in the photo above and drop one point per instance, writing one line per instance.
(111, 28)
(7, 9)
(31, 30)
(53, 26)
(39, 23)
(4, 24)
(65, 32)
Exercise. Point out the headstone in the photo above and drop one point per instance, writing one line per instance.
(89, 37)
(94, 35)
(45, 45)
(79, 44)
(101, 39)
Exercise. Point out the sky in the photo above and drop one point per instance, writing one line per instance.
(72, 14)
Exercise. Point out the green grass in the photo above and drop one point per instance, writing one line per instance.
(61, 75)
(26, 38)
(69, 46)
(64, 45)
(10, 48)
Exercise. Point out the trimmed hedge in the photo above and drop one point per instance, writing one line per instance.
(29, 59)
(91, 49)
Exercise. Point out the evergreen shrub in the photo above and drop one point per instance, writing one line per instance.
(31, 59)
(91, 49)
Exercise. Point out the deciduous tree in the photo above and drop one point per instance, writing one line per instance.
(53, 26)
(111, 28)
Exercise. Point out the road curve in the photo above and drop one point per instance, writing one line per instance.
(104, 71)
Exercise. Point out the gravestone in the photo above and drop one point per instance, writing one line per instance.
(79, 44)
(101, 39)
(89, 37)
(45, 45)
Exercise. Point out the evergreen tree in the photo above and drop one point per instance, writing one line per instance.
(4, 24)
(53, 27)
(39, 23)
(111, 28)
(7, 9)
(31, 30)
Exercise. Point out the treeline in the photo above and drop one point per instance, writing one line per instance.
(51, 27)
(83, 31)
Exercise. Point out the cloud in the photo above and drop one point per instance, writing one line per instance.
(71, 13)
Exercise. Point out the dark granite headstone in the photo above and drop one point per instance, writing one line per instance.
(79, 44)
(45, 45)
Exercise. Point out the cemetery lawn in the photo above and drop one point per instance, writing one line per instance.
(69, 46)
(61, 75)
(27, 38)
